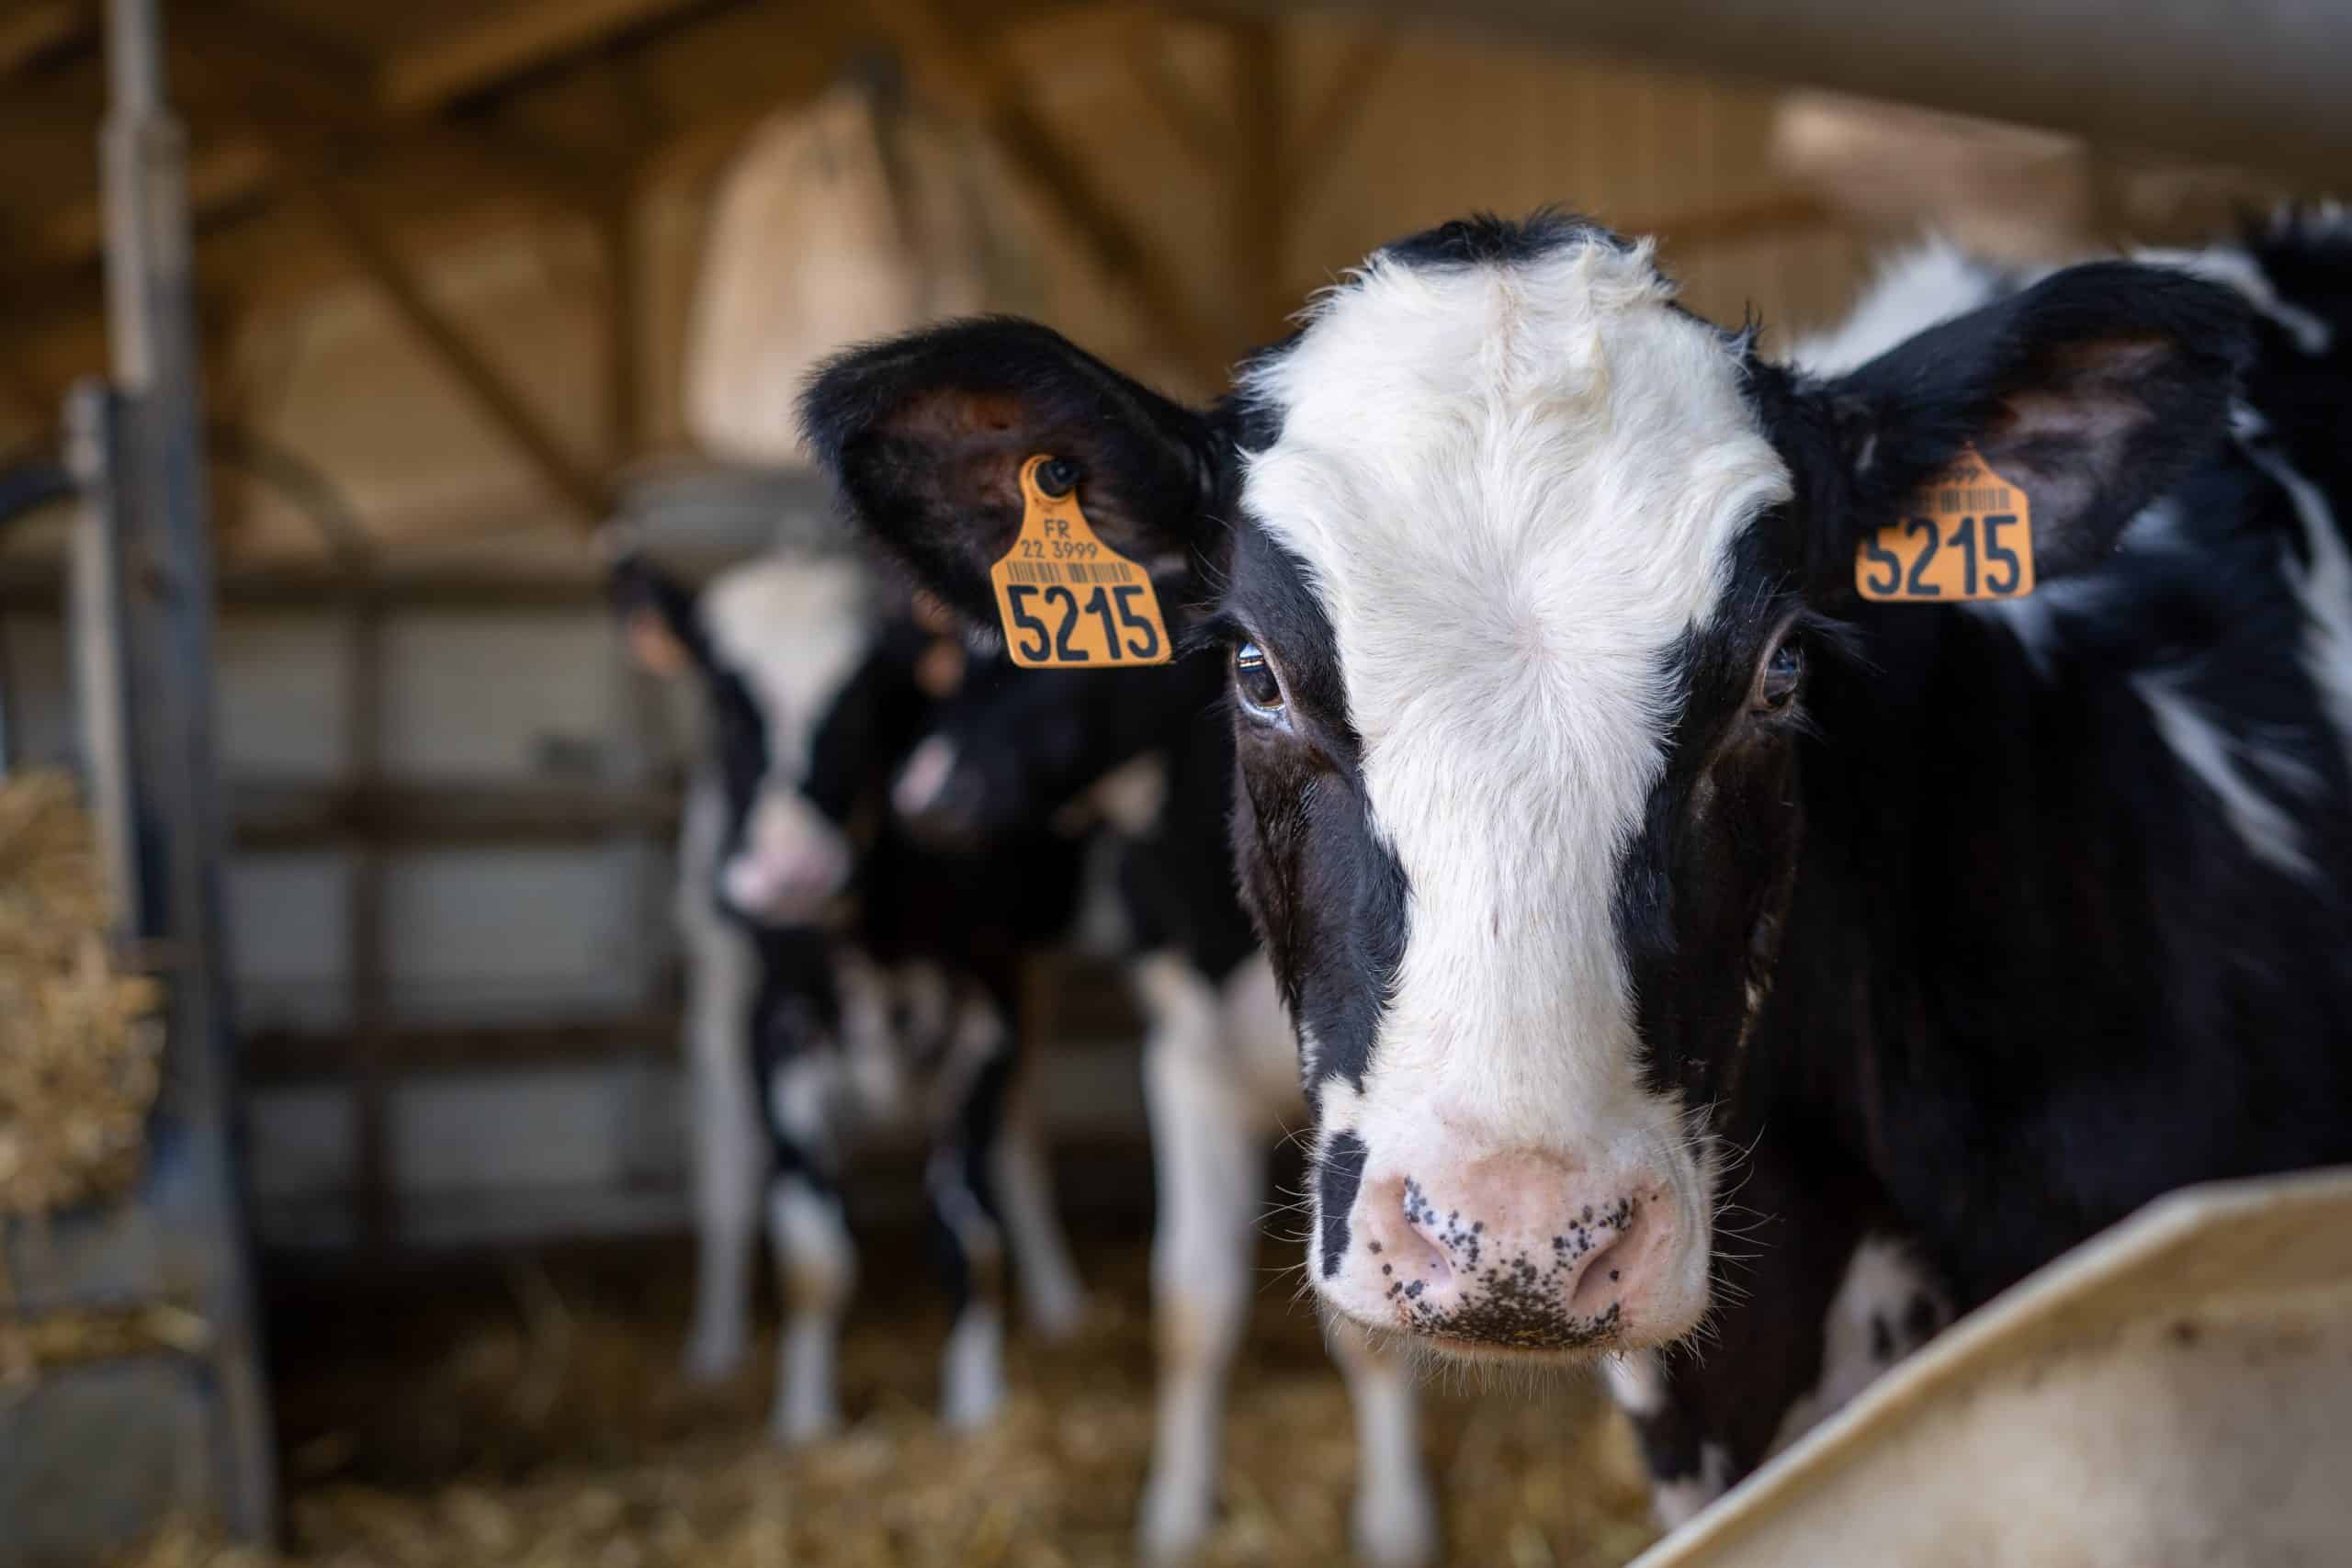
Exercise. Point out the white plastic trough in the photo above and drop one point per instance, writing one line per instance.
(2176, 1391)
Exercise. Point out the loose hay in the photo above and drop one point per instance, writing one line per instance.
(556, 1433)
(79, 1039)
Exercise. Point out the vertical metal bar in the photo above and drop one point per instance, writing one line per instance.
(167, 596)
(101, 681)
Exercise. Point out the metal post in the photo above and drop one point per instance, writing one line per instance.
(164, 549)
(98, 617)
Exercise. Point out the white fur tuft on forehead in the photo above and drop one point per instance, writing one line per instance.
(1552, 410)
(1515, 486)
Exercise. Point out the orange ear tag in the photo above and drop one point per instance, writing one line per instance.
(1968, 534)
(1068, 600)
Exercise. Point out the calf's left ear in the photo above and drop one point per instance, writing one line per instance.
(2094, 390)
(926, 434)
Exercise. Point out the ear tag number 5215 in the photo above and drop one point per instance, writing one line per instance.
(1968, 534)
(1068, 600)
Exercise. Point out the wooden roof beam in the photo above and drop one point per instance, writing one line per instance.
(1195, 123)
(30, 32)
(372, 251)
(227, 170)
(29, 402)
(979, 66)
(1316, 149)
(249, 56)
(504, 39)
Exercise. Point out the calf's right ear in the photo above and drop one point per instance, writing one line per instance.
(657, 615)
(926, 434)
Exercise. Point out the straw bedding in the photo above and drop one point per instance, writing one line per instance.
(544, 1425)
(79, 1039)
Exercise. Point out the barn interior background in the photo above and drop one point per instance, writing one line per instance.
(472, 277)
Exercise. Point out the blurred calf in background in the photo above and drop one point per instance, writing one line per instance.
(866, 979)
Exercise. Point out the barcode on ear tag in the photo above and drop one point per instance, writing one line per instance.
(1968, 534)
(1068, 600)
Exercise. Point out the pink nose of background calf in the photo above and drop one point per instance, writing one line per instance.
(1516, 1250)
(786, 887)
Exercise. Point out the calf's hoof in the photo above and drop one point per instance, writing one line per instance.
(794, 1424)
(1055, 1316)
(713, 1359)
(971, 1375)
(1172, 1529)
(1396, 1528)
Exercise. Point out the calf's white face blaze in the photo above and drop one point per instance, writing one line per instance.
(1512, 487)
(791, 631)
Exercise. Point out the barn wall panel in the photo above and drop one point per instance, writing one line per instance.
(509, 934)
(481, 698)
(279, 693)
(289, 942)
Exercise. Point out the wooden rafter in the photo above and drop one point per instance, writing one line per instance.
(28, 403)
(1199, 126)
(623, 238)
(30, 32)
(243, 55)
(1268, 169)
(372, 251)
(229, 170)
(1318, 145)
(506, 39)
(426, 180)
(50, 261)
(980, 68)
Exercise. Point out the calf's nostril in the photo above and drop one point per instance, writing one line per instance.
(1411, 1265)
(1394, 1255)
(1614, 1250)
(1598, 1281)
(1431, 1246)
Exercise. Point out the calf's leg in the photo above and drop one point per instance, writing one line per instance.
(1395, 1515)
(964, 1209)
(816, 1263)
(817, 1266)
(730, 1157)
(1051, 1296)
(1208, 1166)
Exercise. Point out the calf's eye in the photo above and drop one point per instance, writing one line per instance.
(1254, 677)
(1777, 681)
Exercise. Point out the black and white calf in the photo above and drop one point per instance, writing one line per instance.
(1144, 759)
(839, 976)
(1596, 825)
